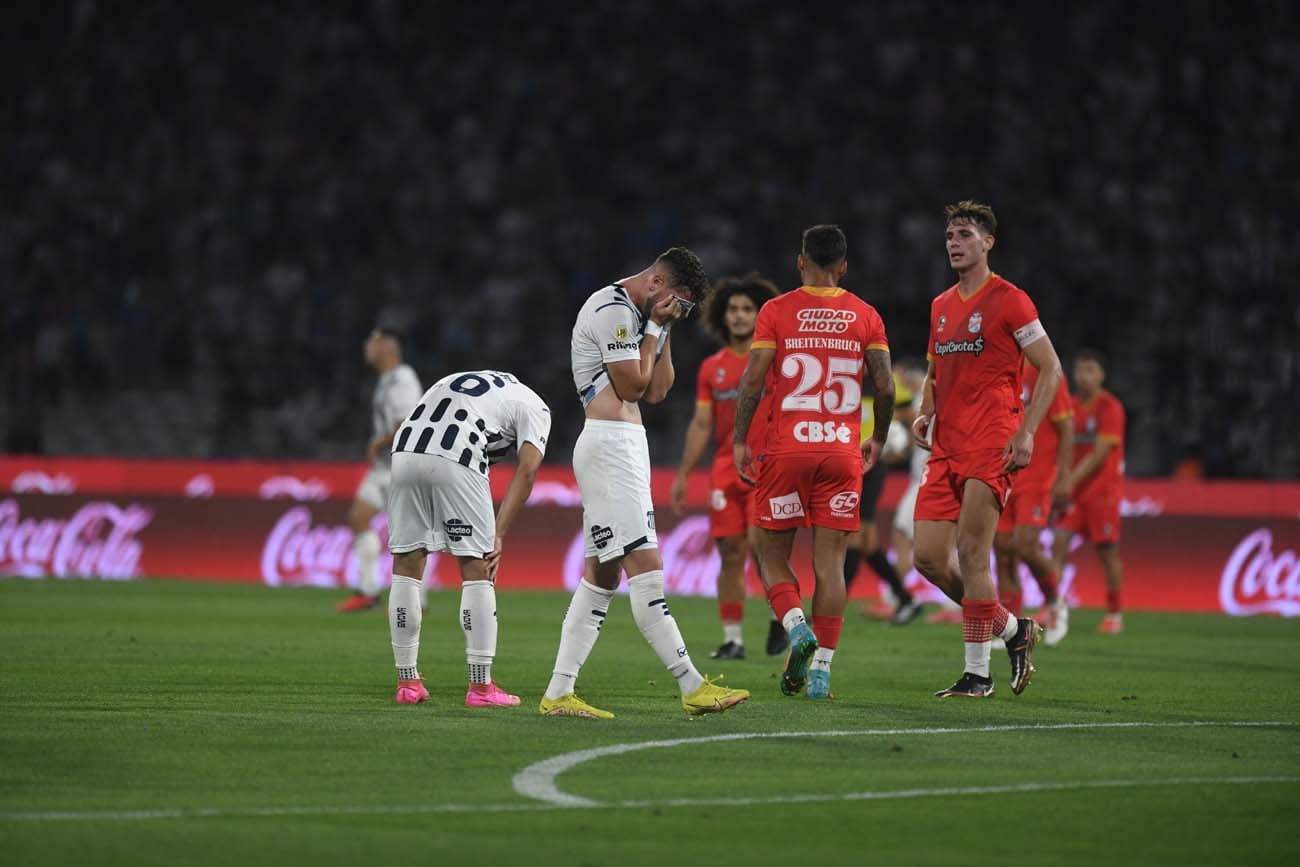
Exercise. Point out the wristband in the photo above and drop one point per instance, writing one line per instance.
(652, 328)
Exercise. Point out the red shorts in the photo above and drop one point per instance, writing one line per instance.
(800, 489)
(1028, 507)
(1096, 519)
(729, 508)
(939, 498)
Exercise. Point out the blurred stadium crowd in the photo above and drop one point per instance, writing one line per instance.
(207, 208)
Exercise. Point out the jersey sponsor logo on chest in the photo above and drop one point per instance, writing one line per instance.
(952, 347)
(824, 321)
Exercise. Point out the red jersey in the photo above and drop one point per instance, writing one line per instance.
(814, 387)
(1042, 469)
(976, 346)
(716, 387)
(1101, 421)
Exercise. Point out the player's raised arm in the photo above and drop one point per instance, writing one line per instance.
(631, 378)
(663, 375)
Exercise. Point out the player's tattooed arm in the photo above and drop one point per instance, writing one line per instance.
(882, 378)
(747, 400)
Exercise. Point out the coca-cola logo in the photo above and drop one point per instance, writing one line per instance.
(1258, 581)
(299, 553)
(97, 541)
(294, 488)
(40, 482)
(691, 561)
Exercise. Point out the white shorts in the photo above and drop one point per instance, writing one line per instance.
(375, 486)
(612, 462)
(905, 513)
(438, 505)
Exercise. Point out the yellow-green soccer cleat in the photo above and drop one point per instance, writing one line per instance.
(571, 705)
(711, 698)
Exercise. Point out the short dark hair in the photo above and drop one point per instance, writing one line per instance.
(686, 270)
(1090, 354)
(825, 245)
(759, 289)
(398, 338)
(976, 212)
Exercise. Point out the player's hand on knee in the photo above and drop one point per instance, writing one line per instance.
(493, 560)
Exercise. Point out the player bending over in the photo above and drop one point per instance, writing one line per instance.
(620, 355)
(441, 501)
(979, 434)
(730, 311)
(808, 353)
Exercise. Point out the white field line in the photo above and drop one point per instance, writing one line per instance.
(571, 802)
(537, 781)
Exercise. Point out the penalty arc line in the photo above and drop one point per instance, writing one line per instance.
(539, 807)
(552, 766)
(538, 781)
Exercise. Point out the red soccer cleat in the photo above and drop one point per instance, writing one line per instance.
(1111, 624)
(357, 602)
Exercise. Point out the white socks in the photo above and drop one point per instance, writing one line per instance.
(366, 548)
(478, 620)
(732, 632)
(404, 618)
(650, 611)
(1009, 631)
(578, 636)
(822, 659)
(977, 657)
(793, 618)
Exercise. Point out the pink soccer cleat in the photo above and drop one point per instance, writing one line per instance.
(489, 695)
(411, 692)
(1111, 624)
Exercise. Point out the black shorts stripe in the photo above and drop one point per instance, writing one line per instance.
(633, 545)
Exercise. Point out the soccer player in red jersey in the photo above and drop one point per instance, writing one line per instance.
(809, 349)
(730, 312)
(979, 434)
(1096, 483)
(1040, 490)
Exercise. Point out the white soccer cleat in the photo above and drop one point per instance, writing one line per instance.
(1059, 623)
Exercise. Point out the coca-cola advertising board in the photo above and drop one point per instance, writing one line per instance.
(1191, 546)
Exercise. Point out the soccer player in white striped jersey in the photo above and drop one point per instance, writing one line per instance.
(396, 392)
(441, 501)
(620, 355)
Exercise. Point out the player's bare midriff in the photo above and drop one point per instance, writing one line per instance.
(608, 406)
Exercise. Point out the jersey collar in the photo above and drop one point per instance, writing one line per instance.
(823, 291)
(965, 298)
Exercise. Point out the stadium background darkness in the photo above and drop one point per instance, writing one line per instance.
(206, 209)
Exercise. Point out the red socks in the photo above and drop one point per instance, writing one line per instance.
(1013, 601)
(1112, 602)
(827, 629)
(731, 612)
(1048, 584)
(977, 620)
(782, 597)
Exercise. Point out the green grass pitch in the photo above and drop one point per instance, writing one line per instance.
(173, 723)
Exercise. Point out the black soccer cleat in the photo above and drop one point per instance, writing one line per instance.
(968, 686)
(906, 613)
(777, 640)
(730, 650)
(1020, 649)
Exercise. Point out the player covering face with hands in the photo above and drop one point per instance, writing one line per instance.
(980, 434)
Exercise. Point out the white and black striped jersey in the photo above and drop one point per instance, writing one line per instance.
(395, 393)
(608, 329)
(475, 418)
